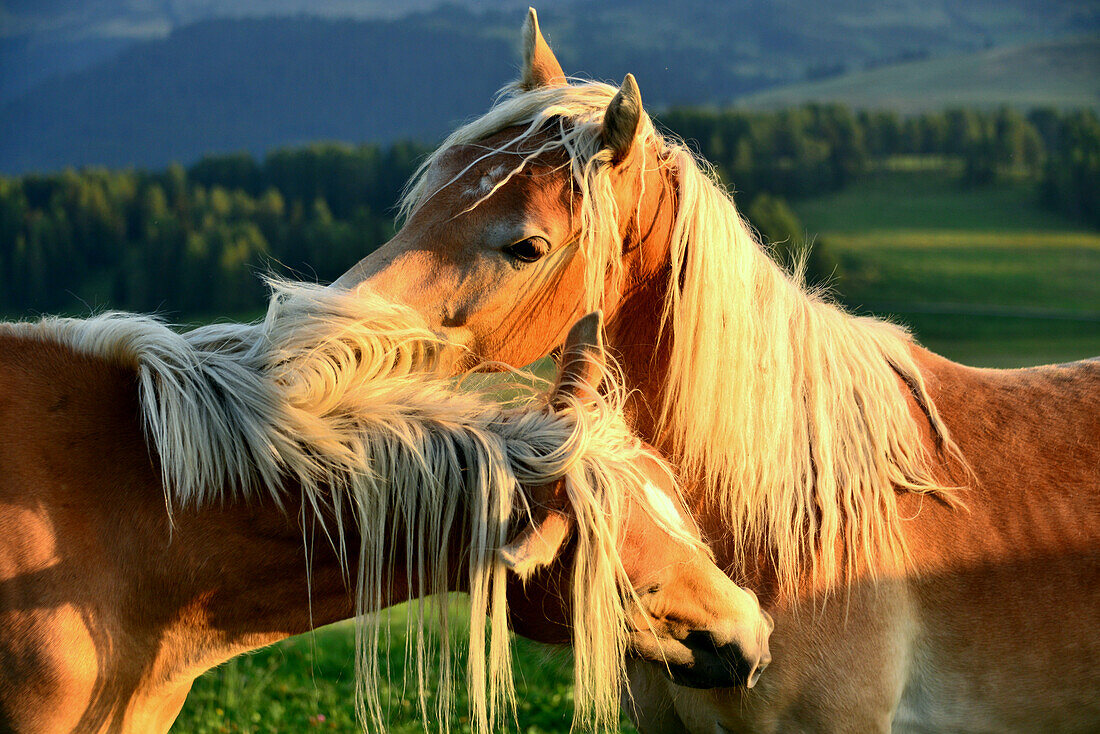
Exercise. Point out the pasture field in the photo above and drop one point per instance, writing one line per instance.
(307, 683)
(1059, 73)
(983, 276)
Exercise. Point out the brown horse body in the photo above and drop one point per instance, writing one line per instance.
(996, 625)
(110, 607)
(989, 619)
(108, 612)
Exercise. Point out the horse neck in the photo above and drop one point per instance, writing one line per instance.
(645, 351)
(128, 604)
(633, 336)
(258, 577)
(633, 327)
(221, 582)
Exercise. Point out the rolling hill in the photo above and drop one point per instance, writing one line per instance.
(41, 39)
(1064, 73)
(246, 83)
(254, 85)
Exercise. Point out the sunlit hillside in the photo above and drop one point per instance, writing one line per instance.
(1063, 73)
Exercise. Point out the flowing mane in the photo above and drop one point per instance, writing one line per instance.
(340, 394)
(788, 408)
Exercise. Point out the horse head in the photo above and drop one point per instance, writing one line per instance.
(534, 214)
(683, 612)
(553, 204)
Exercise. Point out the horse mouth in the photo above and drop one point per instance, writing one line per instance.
(696, 662)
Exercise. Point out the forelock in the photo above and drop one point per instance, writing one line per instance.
(575, 110)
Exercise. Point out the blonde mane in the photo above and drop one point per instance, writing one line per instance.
(340, 395)
(787, 409)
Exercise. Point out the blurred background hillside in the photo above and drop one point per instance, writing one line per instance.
(939, 158)
(941, 155)
(149, 82)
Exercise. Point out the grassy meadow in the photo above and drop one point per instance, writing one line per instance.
(982, 275)
(307, 683)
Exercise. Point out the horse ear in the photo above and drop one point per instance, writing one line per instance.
(539, 543)
(582, 360)
(620, 122)
(540, 66)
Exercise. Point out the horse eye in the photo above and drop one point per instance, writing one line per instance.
(528, 250)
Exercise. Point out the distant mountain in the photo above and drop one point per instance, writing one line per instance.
(255, 83)
(1063, 73)
(43, 38)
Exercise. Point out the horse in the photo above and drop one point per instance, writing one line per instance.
(168, 501)
(926, 535)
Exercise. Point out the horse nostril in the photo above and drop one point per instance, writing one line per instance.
(754, 671)
(701, 640)
(717, 662)
(754, 675)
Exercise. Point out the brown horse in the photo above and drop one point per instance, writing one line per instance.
(927, 535)
(325, 424)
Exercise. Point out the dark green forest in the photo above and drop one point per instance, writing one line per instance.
(191, 241)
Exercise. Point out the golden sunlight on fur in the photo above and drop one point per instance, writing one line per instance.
(342, 392)
(775, 398)
(925, 534)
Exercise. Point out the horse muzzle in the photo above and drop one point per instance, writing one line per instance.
(709, 658)
(720, 666)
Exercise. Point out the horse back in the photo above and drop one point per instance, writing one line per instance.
(1031, 438)
(1006, 585)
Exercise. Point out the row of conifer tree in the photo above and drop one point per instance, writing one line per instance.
(190, 241)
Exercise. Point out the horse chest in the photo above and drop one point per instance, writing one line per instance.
(838, 666)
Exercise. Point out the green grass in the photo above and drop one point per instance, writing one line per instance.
(307, 683)
(1016, 351)
(981, 275)
(921, 199)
